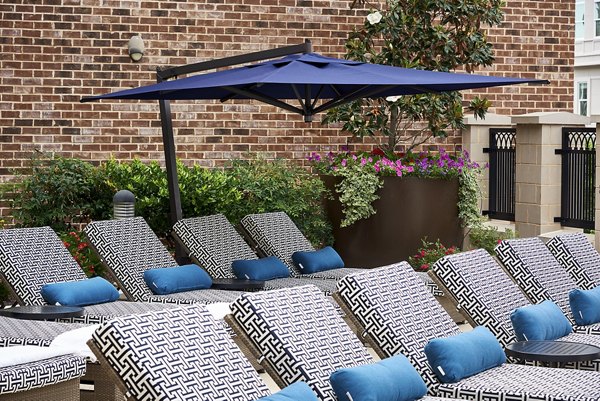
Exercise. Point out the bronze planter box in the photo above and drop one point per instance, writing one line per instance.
(408, 209)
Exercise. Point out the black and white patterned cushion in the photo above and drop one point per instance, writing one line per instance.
(299, 332)
(403, 316)
(30, 332)
(275, 234)
(177, 354)
(32, 257)
(129, 247)
(578, 256)
(483, 290)
(214, 243)
(27, 376)
(539, 275)
(398, 312)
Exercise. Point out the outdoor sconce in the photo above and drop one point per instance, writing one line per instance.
(136, 47)
(123, 204)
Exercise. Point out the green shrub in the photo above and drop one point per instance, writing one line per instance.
(429, 253)
(488, 237)
(278, 185)
(58, 192)
(76, 243)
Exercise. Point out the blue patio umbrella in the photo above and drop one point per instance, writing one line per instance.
(314, 82)
(317, 83)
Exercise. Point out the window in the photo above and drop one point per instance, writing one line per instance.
(597, 16)
(579, 18)
(582, 98)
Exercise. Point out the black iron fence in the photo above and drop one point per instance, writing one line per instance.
(578, 178)
(501, 174)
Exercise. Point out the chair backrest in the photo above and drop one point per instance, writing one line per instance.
(482, 289)
(129, 247)
(32, 257)
(300, 333)
(578, 256)
(275, 234)
(213, 243)
(397, 312)
(536, 271)
(176, 354)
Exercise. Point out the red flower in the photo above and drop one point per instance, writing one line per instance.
(424, 266)
(378, 152)
(82, 245)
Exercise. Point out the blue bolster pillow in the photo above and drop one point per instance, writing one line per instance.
(90, 291)
(463, 355)
(585, 306)
(544, 321)
(391, 379)
(318, 261)
(260, 269)
(169, 280)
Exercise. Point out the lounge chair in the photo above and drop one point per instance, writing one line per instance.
(53, 378)
(578, 256)
(213, 243)
(176, 354)
(32, 257)
(487, 296)
(539, 275)
(129, 247)
(398, 315)
(299, 336)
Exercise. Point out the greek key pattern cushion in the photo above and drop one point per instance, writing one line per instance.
(129, 247)
(95, 314)
(49, 371)
(398, 312)
(30, 332)
(578, 256)
(275, 234)
(326, 286)
(177, 354)
(301, 335)
(32, 257)
(483, 290)
(213, 243)
(512, 382)
(536, 271)
(430, 284)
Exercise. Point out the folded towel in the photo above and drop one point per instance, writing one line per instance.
(11, 356)
(74, 341)
(218, 309)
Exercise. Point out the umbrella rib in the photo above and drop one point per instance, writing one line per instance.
(317, 97)
(264, 98)
(302, 103)
(352, 96)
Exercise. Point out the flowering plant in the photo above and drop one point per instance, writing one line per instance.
(82, 253)
(362, 176)
(430, 253)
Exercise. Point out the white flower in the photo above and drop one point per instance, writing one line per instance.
(374, 18)
(392, 99)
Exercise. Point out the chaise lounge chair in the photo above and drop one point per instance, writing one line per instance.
(53, 378)
(129, 247)
(176, 354)
(578, 256)
(398, 315)
(32, 257)
(275, 234)
(213, 243)
(539, 275)
(487, 296)
(299, 336)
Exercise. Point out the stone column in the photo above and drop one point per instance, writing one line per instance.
(538, 168)
(476, 137)
(596, 119)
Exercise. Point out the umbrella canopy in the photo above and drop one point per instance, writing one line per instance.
(310, 78)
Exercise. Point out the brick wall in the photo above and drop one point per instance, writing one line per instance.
(54, 53)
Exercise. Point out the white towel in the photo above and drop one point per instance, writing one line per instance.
(74, 341)
(10, 356)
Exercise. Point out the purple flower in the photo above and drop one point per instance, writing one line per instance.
(344, 162)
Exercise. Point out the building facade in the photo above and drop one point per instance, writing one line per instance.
(587, 58)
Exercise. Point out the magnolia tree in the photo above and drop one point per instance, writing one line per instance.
(440, 35)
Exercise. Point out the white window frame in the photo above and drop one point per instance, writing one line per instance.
(578, 100)
(596, 18)
(582, 22)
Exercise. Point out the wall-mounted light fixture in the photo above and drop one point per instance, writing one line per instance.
(136, 47)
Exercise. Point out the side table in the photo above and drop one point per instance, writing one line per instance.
(552, 353)
(42, 312)
(237, 284)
